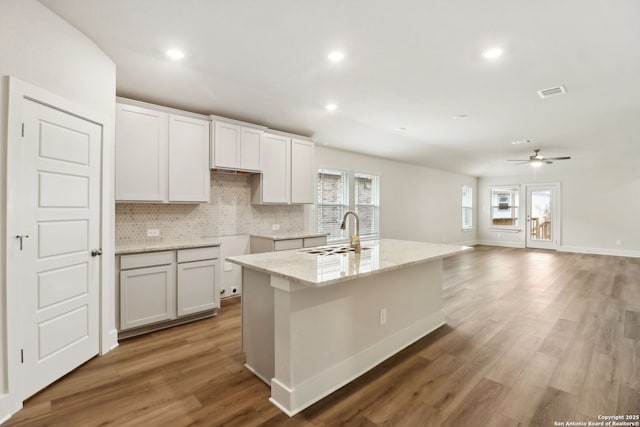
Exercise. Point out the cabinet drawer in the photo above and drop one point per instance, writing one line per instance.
(283, 245)
(315, 241)
(148, 259)
(198, 254)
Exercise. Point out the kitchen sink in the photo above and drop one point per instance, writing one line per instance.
(331, 250)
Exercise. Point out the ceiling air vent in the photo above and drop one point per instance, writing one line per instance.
(552, 91)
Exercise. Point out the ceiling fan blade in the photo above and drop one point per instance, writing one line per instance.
(521, 160)
(557, 158)
(547, 161)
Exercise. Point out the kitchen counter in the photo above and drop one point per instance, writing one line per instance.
(287, 236)
(196, 242)
(306, 334)
(377, 256)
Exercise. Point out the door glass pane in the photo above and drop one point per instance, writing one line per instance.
(541, 215)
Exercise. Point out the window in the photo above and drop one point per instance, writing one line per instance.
(467, 207)
(333, 202)
(367, 203)
(505, 202)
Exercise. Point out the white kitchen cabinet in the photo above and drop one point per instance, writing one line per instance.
(235, 147)
(147, 291)
(161, 156)
(164, 288)
(302, 171)
(288, 171)
(141, 154)
(198, 280)
(260, 244)
(189, 179)
(273, 186)
(197, 290)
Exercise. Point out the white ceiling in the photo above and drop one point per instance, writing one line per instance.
(409, 63)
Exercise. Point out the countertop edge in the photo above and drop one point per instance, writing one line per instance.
(288, 236)
(348, 278)
(167, 247)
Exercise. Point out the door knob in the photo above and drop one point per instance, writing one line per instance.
(96, 252)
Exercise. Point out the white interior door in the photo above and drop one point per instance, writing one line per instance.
(60, 213)
(543, 216)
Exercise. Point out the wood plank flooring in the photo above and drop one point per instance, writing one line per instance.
(532, 337)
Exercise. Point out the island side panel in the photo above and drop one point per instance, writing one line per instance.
(257, 323)
(328, 336)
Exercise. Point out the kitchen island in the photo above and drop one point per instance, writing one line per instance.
(315, 319)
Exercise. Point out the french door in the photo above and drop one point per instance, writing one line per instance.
(543, 216)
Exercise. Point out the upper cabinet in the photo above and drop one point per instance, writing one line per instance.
(189, 176)
(235, 147)
(160, 157)
(287, 171)
(141, 154)
(302, 171)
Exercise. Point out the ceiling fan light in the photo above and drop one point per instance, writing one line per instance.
(536, 163)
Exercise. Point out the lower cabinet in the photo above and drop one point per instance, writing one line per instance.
(147, 295)
(195, 293)
(260, 244)
(160, 289)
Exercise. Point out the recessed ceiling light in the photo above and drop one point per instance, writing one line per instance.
(460, 117)
(401, 129)
(521, 141)
(492, 53)
(175, 54)
(331, 107)
(336, 56)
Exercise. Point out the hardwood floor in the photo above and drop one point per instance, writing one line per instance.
(532, 337)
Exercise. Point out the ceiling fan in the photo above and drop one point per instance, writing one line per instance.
(538, 159)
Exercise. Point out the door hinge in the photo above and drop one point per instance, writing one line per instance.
(23, 130)
(21, 356)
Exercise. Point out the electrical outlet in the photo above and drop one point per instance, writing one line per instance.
(153, 232)
(228, 266)
(275, 227)
(383, 316)
(619, 242)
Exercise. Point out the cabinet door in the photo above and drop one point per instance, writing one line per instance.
(189, 179)
(250, 143)
(302, 171)
(226, 146)
(141, 154)
(147, 295)
(197, 287)
(275, 161)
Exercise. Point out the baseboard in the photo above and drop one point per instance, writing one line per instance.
(500, 243)
(600, 251)
(254, 372)
(293, 400)
(469, 243)
(112, 341)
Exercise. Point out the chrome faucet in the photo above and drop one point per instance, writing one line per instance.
(354, 240)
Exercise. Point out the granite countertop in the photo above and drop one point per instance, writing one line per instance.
(196, 242)
(292, 235)
(320, 270)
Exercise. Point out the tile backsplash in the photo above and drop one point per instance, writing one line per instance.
(229, 213)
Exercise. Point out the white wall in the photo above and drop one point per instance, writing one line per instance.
(40, 48)
(599, 207)
(416, 203)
